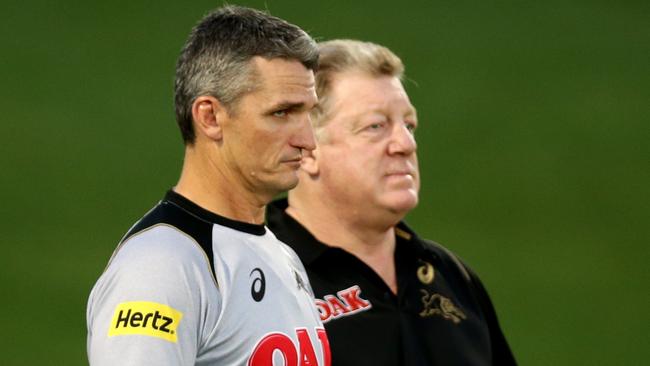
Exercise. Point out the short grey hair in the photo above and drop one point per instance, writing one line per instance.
(216, 58)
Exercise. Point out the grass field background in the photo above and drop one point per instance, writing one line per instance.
(533, 145)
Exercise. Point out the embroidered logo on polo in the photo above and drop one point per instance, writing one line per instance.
(145, 318)
(345, 303)
(426, 272)
(436, 304)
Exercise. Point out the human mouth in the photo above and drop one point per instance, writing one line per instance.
(295, 162)
(400, 173)
(401, 177)
(402, 169)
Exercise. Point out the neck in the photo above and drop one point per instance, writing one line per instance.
(372, 242)
(205, 182)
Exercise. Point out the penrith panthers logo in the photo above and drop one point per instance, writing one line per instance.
(346, 302)
(436, 304)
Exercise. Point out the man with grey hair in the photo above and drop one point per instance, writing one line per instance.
(199, 280)
(386, 296)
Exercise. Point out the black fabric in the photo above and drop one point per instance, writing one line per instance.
(212, 217)
(183, 214)
(398, 329)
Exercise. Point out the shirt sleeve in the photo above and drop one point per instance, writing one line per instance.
(501, 352)
(152, 304)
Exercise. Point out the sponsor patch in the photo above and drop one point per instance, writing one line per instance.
(345, 303)
(145, 318)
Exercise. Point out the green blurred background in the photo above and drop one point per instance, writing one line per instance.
(533, 146)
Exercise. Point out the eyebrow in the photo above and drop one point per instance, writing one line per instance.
(289, 105)
(410, 112)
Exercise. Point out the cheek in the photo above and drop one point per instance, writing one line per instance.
(355, 164)
(417, 173)
(348, 174)
(263, 145)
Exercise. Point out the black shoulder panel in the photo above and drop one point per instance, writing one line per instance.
(167, 212)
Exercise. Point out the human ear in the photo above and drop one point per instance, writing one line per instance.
(208, 115)
(309, 162)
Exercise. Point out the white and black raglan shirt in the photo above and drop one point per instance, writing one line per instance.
(188, 287)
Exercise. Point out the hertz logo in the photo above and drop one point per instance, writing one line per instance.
(145, 318)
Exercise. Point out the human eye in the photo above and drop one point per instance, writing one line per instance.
(375, 126)
(280, 113)
(411, 126)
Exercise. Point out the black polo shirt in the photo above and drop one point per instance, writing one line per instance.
(441, 315)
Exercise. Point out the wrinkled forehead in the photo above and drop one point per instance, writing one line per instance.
(281, 84)
(281, 71)
(358, 93)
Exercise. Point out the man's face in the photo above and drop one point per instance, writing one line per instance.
(366, 152)
(266, 132)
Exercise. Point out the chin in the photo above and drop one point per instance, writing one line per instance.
(402, 203)
(286, 183)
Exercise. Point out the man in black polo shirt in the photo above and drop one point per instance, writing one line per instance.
(386, 296)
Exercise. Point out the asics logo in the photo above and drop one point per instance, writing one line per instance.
(258, 287)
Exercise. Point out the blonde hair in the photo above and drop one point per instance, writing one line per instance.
(343, 55)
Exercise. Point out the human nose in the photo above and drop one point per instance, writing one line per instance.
(304, 137)
(402, 140)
